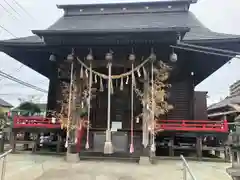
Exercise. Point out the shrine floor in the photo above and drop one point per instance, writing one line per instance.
(36, 167)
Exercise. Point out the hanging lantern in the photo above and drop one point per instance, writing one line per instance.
(173, 56)
(89, 56)
(109, 56)
(70, 57)
(52, 58)
(153, 56)
(132, 57)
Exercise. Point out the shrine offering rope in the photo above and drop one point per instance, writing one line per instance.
(115, 76)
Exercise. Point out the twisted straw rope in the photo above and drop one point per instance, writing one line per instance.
(104, 76)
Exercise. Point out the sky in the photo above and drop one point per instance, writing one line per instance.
(217, 15)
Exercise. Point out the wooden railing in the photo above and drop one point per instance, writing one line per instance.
(192, 125)
(35, 121)
(167, 125)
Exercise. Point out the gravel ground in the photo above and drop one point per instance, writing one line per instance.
(36, 167)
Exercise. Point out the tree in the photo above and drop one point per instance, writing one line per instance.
(29, 107)
(156, 100)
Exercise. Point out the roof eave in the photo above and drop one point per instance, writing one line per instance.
(66, 6)
(105, 31)
(209, 41)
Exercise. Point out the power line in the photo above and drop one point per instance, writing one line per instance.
(21, 7)
(5, 9)
(22, 82)
(16, 70)
(9, 32)
(209, 48)
(11, 7)
(205, 52)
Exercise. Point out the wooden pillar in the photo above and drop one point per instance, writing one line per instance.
(53, 85)
(76, 105)
(26, 138)
(2, 142)
(199, 147)
(217, 153)
(58, 142)
(227, 153)
(13, 141)
(171, 146)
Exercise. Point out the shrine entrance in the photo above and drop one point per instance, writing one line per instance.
(120, 104)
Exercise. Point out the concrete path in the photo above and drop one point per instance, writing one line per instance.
(36, 167)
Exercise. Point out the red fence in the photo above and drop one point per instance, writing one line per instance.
(35, 122)
(167, 125)
(192, 125)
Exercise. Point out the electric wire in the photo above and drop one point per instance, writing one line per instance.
(23, 9)
(16, 70)
(12, 7)
(9, 32)
(22, 82)
(204, 51)
(5, 9)
(209, 48)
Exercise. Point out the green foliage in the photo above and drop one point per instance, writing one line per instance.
(29, 107)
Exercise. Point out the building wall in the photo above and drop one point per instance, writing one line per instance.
(234, 89)
(4, 109)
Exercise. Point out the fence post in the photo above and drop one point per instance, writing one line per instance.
(3, 168)
(184, 172)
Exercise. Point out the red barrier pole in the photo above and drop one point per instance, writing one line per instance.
(225, 125)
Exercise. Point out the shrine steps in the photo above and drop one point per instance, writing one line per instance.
(116, 156)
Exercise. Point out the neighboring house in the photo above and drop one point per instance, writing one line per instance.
(5, 106)
(42, 107)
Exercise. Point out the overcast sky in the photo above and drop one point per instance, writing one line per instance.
(218, 15)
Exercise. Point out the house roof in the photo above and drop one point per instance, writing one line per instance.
(5, 104)
(228, 101)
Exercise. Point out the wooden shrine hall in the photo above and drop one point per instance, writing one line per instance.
(119, 79)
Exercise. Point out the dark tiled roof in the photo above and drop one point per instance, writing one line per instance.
(5, 104)
(25, 40)
(139, 21)
(130, 22)
(226, 102)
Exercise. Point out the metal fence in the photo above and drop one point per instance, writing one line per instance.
(3, 157)
(186, 169)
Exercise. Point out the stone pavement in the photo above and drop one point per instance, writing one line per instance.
(36, 167)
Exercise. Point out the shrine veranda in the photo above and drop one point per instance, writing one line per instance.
(101, 59)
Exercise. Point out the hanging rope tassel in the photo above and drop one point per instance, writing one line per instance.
(86, 73)
(133, 84)
(121, 84)
(69, 107)
(81, 72)
(138, 72)
(101, 89)
(144, 73)
(95, 78)
(112, 91)
(89, 104)
(127, 80)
